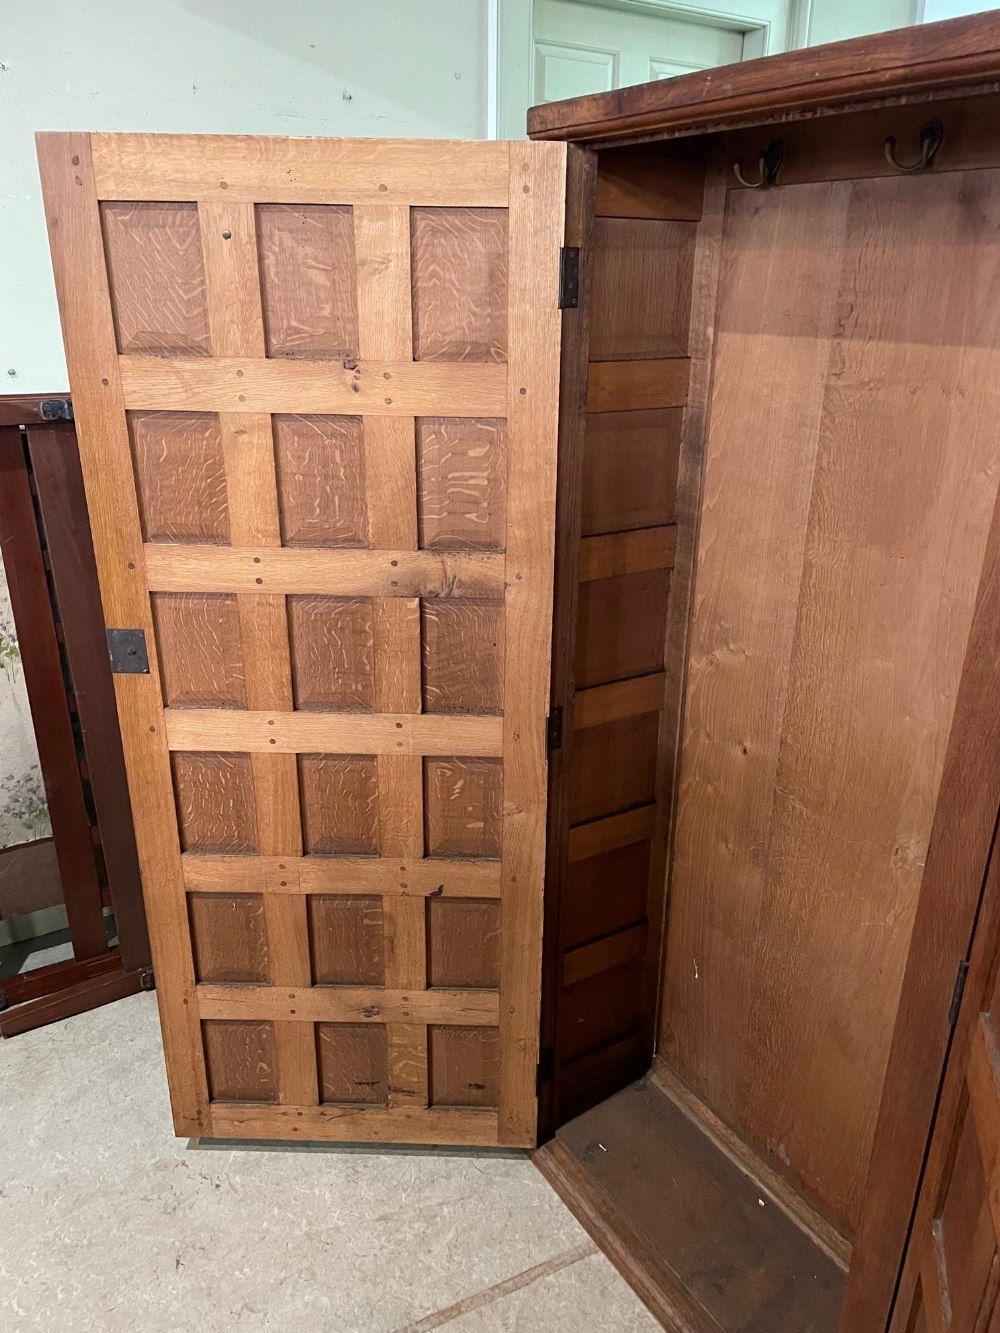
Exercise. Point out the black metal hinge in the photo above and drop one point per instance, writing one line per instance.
(569, 277)
(959, 991)
(127, 650)
(545, 1070)
(56, 409)
(554, 728)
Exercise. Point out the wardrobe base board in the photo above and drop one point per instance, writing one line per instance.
(768, 1180)
(687, 1228)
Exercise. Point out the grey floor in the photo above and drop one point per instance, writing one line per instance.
(109, 1223)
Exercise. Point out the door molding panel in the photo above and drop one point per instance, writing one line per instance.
(316, 388)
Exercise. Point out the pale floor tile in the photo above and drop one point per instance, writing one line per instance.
(108, 1223)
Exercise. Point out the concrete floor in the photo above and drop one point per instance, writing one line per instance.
(109, 1223)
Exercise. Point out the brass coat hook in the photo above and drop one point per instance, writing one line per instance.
(930, 141)
(769, 164)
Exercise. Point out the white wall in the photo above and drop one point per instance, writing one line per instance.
(406, 68)
(835, 20)
(953, 9)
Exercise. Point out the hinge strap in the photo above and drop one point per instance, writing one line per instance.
(958, 992)
(569, 277)
(554, 728)
(127, 651)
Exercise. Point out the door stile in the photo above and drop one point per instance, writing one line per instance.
(73, 219)
(537, 213)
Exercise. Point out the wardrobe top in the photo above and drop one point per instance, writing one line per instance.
(910, 64)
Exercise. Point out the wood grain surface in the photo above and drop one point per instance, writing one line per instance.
(851, 393)
(332, 373)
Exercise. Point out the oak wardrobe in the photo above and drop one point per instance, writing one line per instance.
(553, 591)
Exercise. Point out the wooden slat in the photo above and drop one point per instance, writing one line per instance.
(232, 275)
(391, 482)
(382, 247)
(397, 655)
(643, 183)
(236, 322)
(634, 552)
(385, 302)
(385, 333)
(266, 661)
(387, 876)
(687, 498)
(350, 1124)
(536, 223)
(587, 961)
(297, 171)
(248, 384)
(349, 1004)
(605, 835)
(621, 699)
(333, 573)
(71, 211)
(628, 386)
(581, 171)
(251, 493)
(332, 733)
(290, 965)
(819, 150)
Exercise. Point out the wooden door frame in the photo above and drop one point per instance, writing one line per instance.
(968, 1074)
(950, 895)
(581, 185)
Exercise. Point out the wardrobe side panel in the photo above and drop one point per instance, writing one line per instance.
(850, 476)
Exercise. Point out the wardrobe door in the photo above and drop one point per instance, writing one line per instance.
(951, 1274)
(316, 386)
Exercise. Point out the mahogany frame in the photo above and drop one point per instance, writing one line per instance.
(56, 602)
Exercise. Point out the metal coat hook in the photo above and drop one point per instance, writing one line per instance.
(769, 164)
(930, 141)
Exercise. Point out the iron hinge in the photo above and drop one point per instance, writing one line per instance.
(959, 991)
(56, 409)
(554, 728)
(127, 651)
(569, 277)
(545, 1070)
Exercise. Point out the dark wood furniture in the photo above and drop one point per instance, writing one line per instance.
(795, 379)
(49, 563)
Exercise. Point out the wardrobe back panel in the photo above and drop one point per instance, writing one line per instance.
(851, 471)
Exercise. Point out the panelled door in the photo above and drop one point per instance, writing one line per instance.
(316, 388)
(951, 1275)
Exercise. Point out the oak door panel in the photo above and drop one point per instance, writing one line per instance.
(317, 391)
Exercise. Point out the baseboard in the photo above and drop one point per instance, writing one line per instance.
(616, 1238)
(702, 1241)
(824, 1235)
